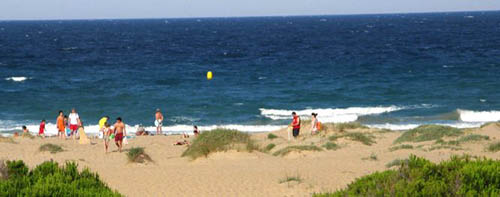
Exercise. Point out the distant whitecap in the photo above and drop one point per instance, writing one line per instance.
(16, 79)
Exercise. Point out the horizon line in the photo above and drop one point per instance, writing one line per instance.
(250, 16)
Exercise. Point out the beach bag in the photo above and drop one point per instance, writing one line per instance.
(318, 126)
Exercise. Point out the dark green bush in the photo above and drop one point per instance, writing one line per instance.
(494, 147)
(460, 176)
(271, 136)
(269, 147)
(428, 133)
(219, 140)
(52, 148)
(48, 179)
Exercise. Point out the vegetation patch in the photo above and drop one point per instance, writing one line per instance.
(7, 140)
(48, 179)
(428, 133)
(269, 147)
(350, 125)
(271, 136)
(28, 135)
(444, 147)
(219, 140)
(138, 155)
(402, 146)
(331, 146)
(298, 148)
(366, 139)
(396, 162)
(494, 147)
(52, 148)
(460, 176)
(372, 157)
(472, 138)
(289, 179)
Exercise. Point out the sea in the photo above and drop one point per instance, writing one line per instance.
(394, 71)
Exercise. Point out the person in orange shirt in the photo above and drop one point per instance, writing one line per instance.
(60, 125)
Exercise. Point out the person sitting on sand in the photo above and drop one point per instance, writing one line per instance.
(314, 123)
(141, 131)
(180, 143)
(41, 131)
(295, 125)
(60, 125)
(119, 132)
(107, 131)
(195, 131)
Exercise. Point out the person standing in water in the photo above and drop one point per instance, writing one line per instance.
(314, 123)
(158, 121)
(60, 125)
(295, 125)
(120, 132)
(74, 122)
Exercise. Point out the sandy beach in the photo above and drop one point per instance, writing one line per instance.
(235, 173)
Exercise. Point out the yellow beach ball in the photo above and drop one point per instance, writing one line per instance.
(209, 75)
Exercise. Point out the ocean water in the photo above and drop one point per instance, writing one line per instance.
(389, 71)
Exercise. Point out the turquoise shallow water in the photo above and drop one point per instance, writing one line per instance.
(390, 71)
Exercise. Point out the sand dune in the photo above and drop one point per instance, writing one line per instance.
(238, 173)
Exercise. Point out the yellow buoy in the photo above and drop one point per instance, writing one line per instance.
(209, 75)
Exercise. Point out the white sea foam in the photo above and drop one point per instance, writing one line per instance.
(336, 115)
(479, 116)
(16, 79)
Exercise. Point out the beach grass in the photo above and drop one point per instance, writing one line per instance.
(271, 136)
(472, 138)
(28, 135)
(298, 148)
(7, 140)
(428, 133)
(444, 146)
(365, 138)
(372, 157)
(49, 147)
(289, 179)
(138, 155)
(396, 162)
(402, 146)
(331, 146)
(494, 147)
(349, 125)
(219, 140)
(269, 147)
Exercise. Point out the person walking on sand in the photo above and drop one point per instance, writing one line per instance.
(314, 123)
(295, 125)
(60, 125)
(158, 121)
(74, 122)
(41, 132)
(119, 132)
(106, 133)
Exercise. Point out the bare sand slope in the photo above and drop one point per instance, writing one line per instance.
(238, 173)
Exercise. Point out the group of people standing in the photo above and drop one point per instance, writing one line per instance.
(67, 126)
(295, 125)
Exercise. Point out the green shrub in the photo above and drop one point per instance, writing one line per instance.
(428, 133)
(52, 148)
(372, 157)
(298, 148)
(288, 179)
(331, 146)
(219, 140)
(444, 147)
(269, 147)
(138, 155)
(460, 176)
(271, 136)
(48, 179)
(494, 147)
(350, 125)
(396, 162)
(402, 146)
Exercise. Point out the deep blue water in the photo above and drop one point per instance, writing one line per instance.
(417, 68)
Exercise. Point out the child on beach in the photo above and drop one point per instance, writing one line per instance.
(314, 123)
(60, 125)
(41, 131)
(25, 129)
(106, 133)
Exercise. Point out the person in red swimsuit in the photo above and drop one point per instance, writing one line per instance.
(41, 132)
(119, 133)
(295, 124)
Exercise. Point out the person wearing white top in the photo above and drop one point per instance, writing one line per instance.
(74, 122)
